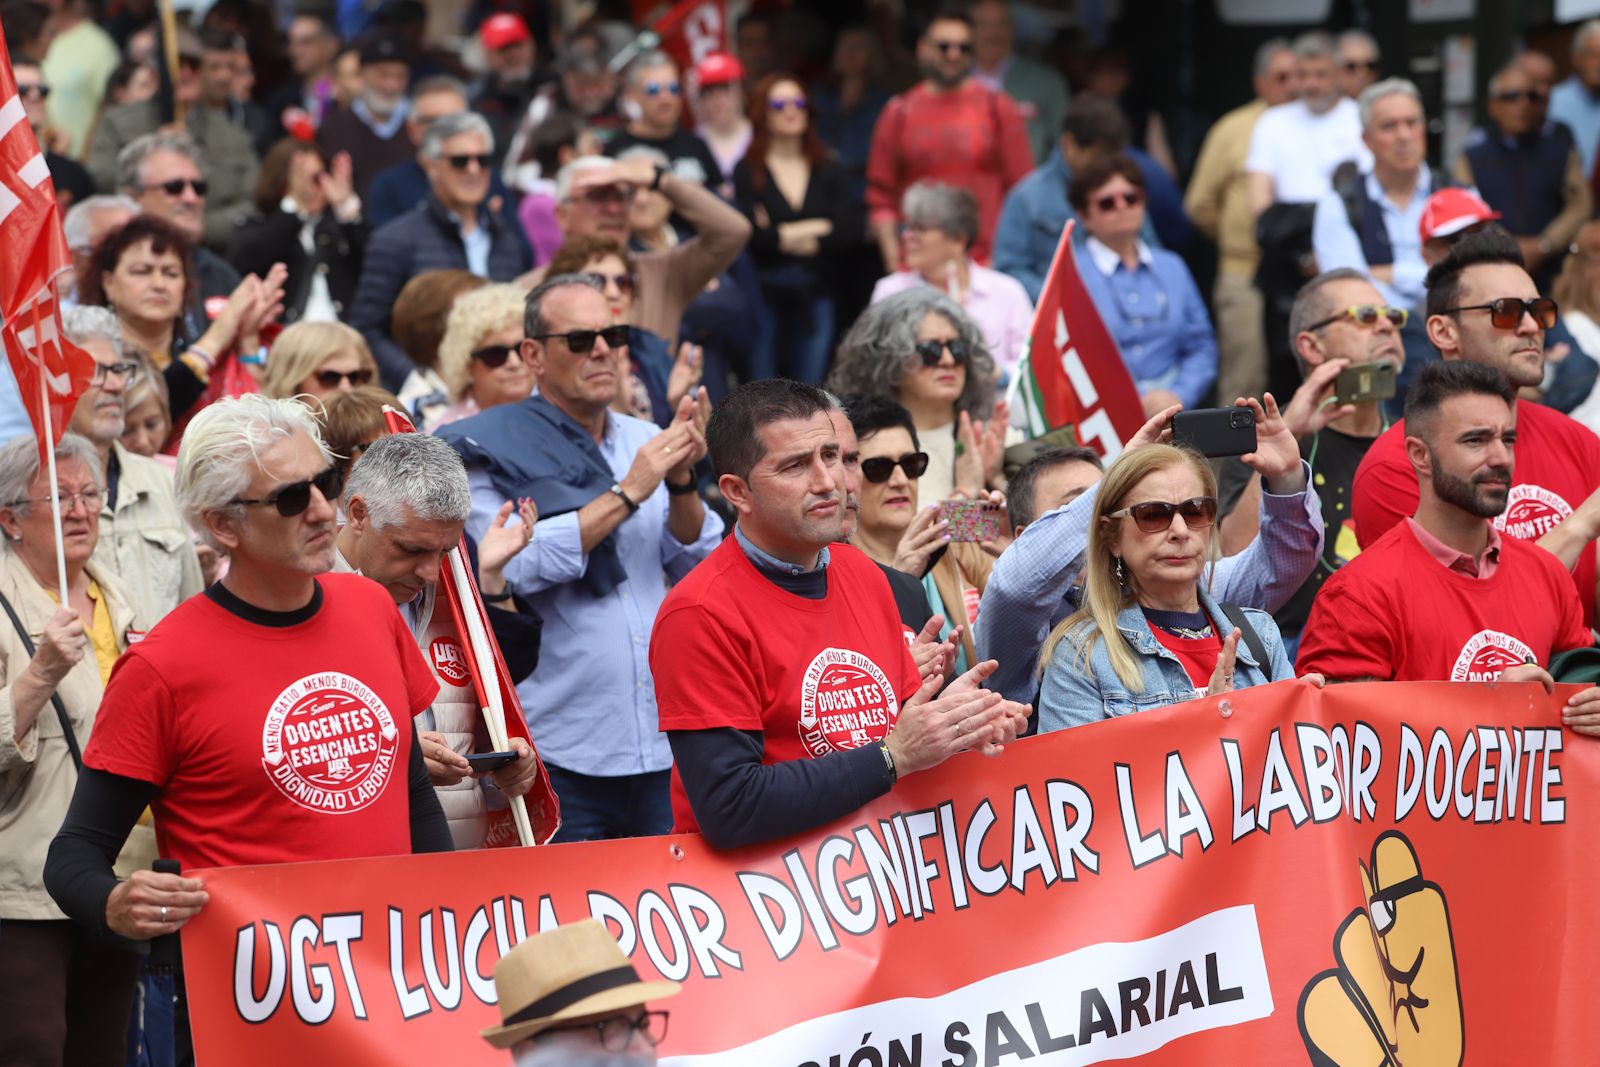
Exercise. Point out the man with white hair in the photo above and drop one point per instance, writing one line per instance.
(407, 504)
(268, 721)
(655, 89)
(1576, 101)
(161, 172)
(1358, 62)
(91, 219)
(451, 228)
(143, 538)
(1296, 147)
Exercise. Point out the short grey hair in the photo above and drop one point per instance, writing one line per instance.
(653, 58)
(1265, 53)
(19, 466)
(533, 322)
(949, 209)
(1360, 37)
(439, 83)
(569, 173)
(1581, 38)
(1311, 303)
(131, 160)
(87, 321)
(221, 444)
(410, 471)
(448, 126)
(79, 221)
(1313, 45)
(1378, 90)
(872, 357)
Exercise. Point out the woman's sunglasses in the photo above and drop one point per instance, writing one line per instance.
(780, 104)
(292, 499)
(581, 342)
(1154, 516)
(1112, 201)
(932, 352)
(623, 281)
(331, 379)
(495, 356)
(1506, 313)
(879, 469)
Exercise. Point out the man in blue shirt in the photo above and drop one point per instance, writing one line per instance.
(1576, 101)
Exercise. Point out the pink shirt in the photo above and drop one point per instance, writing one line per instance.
(1460, 562)
(997, 303)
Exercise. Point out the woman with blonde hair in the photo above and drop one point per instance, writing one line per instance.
(317, 359)
(480, 357)
(1148, 634)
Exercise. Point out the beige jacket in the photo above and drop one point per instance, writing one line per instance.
(145, 541)
(1217, 202)
(37, 776)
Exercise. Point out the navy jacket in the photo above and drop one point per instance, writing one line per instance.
(1523, 179)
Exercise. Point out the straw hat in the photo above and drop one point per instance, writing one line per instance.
(566, 973)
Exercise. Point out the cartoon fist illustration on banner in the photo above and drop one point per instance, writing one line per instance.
(1394, 998)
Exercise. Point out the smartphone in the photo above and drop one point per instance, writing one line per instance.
(971, 520)
(488, 762)
(1361, 382)
(1216, 431)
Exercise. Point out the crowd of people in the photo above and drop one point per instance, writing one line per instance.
(713, 368)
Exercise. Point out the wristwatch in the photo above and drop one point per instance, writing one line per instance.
(655, 183)
(685, 489)
(625, 498)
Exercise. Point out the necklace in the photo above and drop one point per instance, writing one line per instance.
(1186, 632)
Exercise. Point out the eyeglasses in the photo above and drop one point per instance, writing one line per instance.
(1506, 313)
(1515, 96)
(779, 104)
(292, 499)
(467, 159)
(932, 352)
(880, 468)
(1366, 315)
(1112, 201)
(41, 91)
(1360, 64)
(959, 47)
(617, 1032)
(657, 88)
(332, 379)
(623, 281)
(124, 370)
(176, 186)
(582, 341)
(90, 498)
(1154, 516)
(493, 356)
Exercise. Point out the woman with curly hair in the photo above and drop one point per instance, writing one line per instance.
(920, 349)
(480, 356)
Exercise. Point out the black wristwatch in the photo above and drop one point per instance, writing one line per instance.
(632, 504)
(498, 598)
(687, 488)
(655, 183)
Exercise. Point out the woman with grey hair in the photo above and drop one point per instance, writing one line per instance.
(941, 223)
(920, 349)
(54, 661)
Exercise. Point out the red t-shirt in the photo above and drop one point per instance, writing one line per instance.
(1557, 467)
(271, 744)
(1396, 613)
(732, 649)
(1197, 654)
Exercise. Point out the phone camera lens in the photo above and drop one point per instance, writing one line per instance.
(1239, 419)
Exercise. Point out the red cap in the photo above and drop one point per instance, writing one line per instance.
(500, 31)
(719, 68)
(1449, 211)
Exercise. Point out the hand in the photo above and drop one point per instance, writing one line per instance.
(500, 543)
(1314, 680)
(445, 765)
(1308, 411)
(925, 535)
(932, 729)
(1532, 254)
(1529, 672)
(267, 308)
(1277, 454)
(518, 778)
(971, 464)
(1003, 540)
(134, 908)
(795, 239)
(660, 456)
(1158, 400)
(1582, 712)
(1157, 429)
(686, 372)
(636, 172)
(763, 220)
(1222, 676)
(338, 185)
(933, 656)
(693, 413)
(991, 436)
(64, 644)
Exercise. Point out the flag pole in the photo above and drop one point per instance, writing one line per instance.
(49, 441)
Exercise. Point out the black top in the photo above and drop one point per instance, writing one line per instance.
(691, 158)
(827, 197)
(1334, 457)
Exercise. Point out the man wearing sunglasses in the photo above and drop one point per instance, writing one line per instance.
(269, 720)
(71, 180)
(1483, 307)
(1358, 62)
(654, 101)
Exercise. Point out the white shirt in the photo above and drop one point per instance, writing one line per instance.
(1300, 150)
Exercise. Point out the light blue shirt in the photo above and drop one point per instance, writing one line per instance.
(385, 128)
(590, 704)
(1572, 103)
(1337, 244)
(14, 421)
(477, 245)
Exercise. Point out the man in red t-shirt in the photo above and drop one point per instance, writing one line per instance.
(783, 678)
(267, 720)
(1483, 307)
(946, 128)
(1444, 596)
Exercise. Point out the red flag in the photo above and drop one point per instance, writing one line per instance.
(689, 31)
(1074, 375)
(460, 597)
(51, 371)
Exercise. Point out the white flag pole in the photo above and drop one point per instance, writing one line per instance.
(50, 459)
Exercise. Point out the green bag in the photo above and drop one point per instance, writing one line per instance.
(1580, 665)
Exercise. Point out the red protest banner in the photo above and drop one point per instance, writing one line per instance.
(1073, 374)
(1381, 873)
(689, 31)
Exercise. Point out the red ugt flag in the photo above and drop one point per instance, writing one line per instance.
(51, 371)
(689, 31)
(1073, 374)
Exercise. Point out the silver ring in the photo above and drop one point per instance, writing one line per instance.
(163, 913)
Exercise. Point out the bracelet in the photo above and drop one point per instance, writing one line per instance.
(632, 504)
(888, 761)
(687, 488)
(655, 183)
(205, 357)
(498, 598)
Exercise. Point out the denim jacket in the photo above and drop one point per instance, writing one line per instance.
(1073, 694)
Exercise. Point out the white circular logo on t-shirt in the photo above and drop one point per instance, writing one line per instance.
(1531, 512)
(329, 744)
(846, 701)
(1486, 654)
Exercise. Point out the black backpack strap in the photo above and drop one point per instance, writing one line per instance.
(1248, 635)
(55, 698)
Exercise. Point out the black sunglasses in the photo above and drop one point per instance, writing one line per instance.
(466, 159)
(932, 352)
(41, 91)
(582, 341)
(962, 47)
(493, 356)
(1361, 64)
(1513, 96)
(294, 498)
(879, 469)
(1506, 313)
(331, 379)
(1154, 516)
(176, 186)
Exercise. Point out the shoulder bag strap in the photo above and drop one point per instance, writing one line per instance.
(55, 698)
(1248, 635)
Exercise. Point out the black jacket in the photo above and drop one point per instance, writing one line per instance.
(262, 240)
